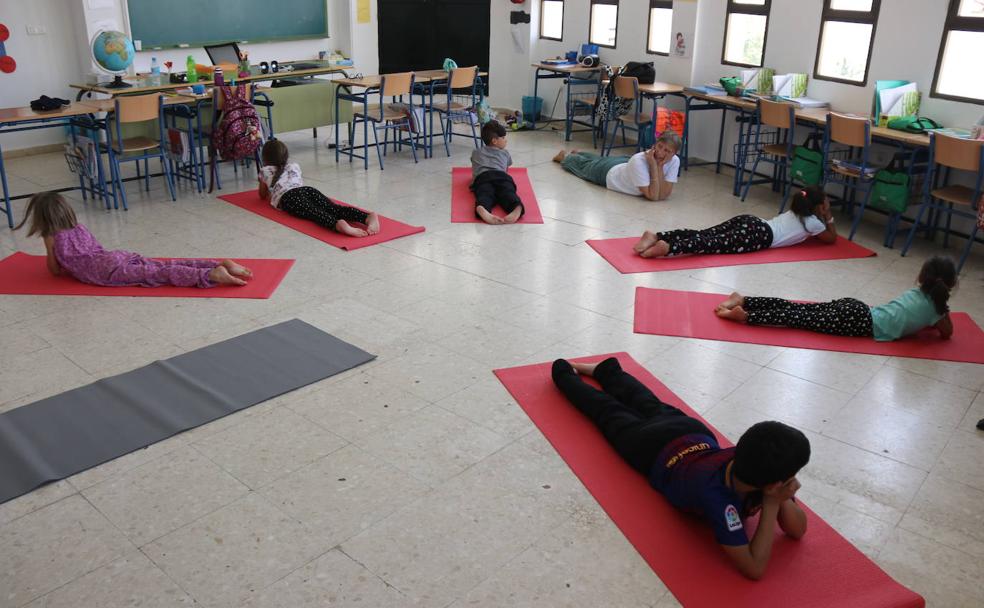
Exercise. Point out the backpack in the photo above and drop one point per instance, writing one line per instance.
(913, 124)
(890, 190)
(645, 72)
(236, 134)
(807, 164)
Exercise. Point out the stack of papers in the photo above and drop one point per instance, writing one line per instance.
(807, 102)
(854, 167)
(708, 89)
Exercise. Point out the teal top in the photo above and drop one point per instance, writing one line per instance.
(904, 315)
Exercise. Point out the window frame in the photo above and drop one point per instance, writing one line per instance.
(563, 11)
(654, 4)
(591, 18)
(954, 22)
(867, 17)
(748, 9)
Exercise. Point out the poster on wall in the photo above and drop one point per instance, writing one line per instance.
(362, 14)
(681, 45)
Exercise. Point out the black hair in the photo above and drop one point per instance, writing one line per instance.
(936, 278)
(806, 201)
(491, 130)
(769, 452)
(49, 214)
(275, 154)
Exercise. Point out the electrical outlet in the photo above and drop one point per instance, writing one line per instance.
(36, 30)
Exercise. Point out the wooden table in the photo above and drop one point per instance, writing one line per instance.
(546, 71)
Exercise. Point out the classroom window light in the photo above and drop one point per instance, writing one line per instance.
(958, 72)
(552, 19)
(603, 26)
(745, 32)
(660, 27)
(847, 35)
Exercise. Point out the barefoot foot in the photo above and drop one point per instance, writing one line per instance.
(648, 240)
(513, 216)
(372, 223)
(221, 276)
(586, 369)
(734, 314)
(237, 270)
(560, 156)
(658, 250)
(735, 299)
(345, 228)
(488, 217)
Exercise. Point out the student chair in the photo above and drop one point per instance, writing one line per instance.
(951, 153)
(625, 88)
(130, 110)
(397, 116)
(780, 116)
(461, 81)
(583, 103)
(855, 172)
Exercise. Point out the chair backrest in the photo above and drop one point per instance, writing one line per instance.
(964, 154)
(137, 108)
(848, 130)
(394, 85)
(627, 87)
(462, 77)
(776, 113)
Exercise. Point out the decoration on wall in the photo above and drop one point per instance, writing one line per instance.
(7, 63)
(362, 14)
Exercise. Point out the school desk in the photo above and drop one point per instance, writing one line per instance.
(574, 76)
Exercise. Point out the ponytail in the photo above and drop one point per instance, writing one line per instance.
(937, 278)
(274, 154)
(806, 201)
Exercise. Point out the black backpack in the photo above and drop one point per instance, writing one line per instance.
(645, 72)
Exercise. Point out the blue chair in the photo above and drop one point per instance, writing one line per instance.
(951, 153)
(462, 82)
(780, 116)
(625, 88)
(395, 116)
(129, 110)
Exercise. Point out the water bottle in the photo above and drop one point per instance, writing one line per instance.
(217, 77)
(192, 70)
(155, 71)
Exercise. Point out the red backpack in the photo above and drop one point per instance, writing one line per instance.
(237, 134)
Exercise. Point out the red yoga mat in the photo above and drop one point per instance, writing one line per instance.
(463, 200)
(619, 254)
(821, 569)
(666, 312)
(389, 229)
(23, 274)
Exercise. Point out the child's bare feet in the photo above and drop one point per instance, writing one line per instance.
(513, 216)
(735, 299)
(237, 270)
(372, 223)
(659, 250)
(488, 217)
(559, 158)
(586, 369)
(734, 314)
(221, 276)
(348, 229)
(648, 240)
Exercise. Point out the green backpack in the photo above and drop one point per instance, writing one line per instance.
(806, 167)
(890, 190)
(913, 124)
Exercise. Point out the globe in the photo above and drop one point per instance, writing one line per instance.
(114, 53)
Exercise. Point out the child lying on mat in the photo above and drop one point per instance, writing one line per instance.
(809, 215)
(920, 307)
(281, 184)
(681, 459)
(491, 183)
(72, 249)
(650, 174)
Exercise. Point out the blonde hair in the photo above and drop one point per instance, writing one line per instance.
(49, 214)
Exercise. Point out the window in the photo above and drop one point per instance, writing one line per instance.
(603, 26)
(745, 32)
(847, 35)
(552, 19)
(958, 72)
(660, 25)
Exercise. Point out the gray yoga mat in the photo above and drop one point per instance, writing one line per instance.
(62, 435)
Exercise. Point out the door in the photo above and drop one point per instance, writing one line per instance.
(419, 34)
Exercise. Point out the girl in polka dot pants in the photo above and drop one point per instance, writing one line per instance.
(843, 317)
(741, 234)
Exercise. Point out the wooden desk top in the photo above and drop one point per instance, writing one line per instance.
(140, 87)
(21, 114)
(109, 105)
(565, 69)
(375, 80)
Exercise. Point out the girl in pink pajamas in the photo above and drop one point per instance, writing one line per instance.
(73, 250)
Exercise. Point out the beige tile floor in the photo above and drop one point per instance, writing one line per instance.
(416, 480)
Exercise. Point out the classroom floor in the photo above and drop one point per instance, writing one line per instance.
(416, 480)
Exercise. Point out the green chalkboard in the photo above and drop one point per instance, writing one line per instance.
(172, 23)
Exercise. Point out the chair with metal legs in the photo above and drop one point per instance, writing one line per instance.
(130, 110)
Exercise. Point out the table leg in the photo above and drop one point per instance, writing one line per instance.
(6, 193)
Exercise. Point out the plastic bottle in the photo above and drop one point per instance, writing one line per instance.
(155, 70)
(217, 77)
(192, 70)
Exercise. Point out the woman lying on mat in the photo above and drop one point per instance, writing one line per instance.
(72, 249)
(809, 215)
(681, 459)
(920, 307)
(650, 174)
(281, 184)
